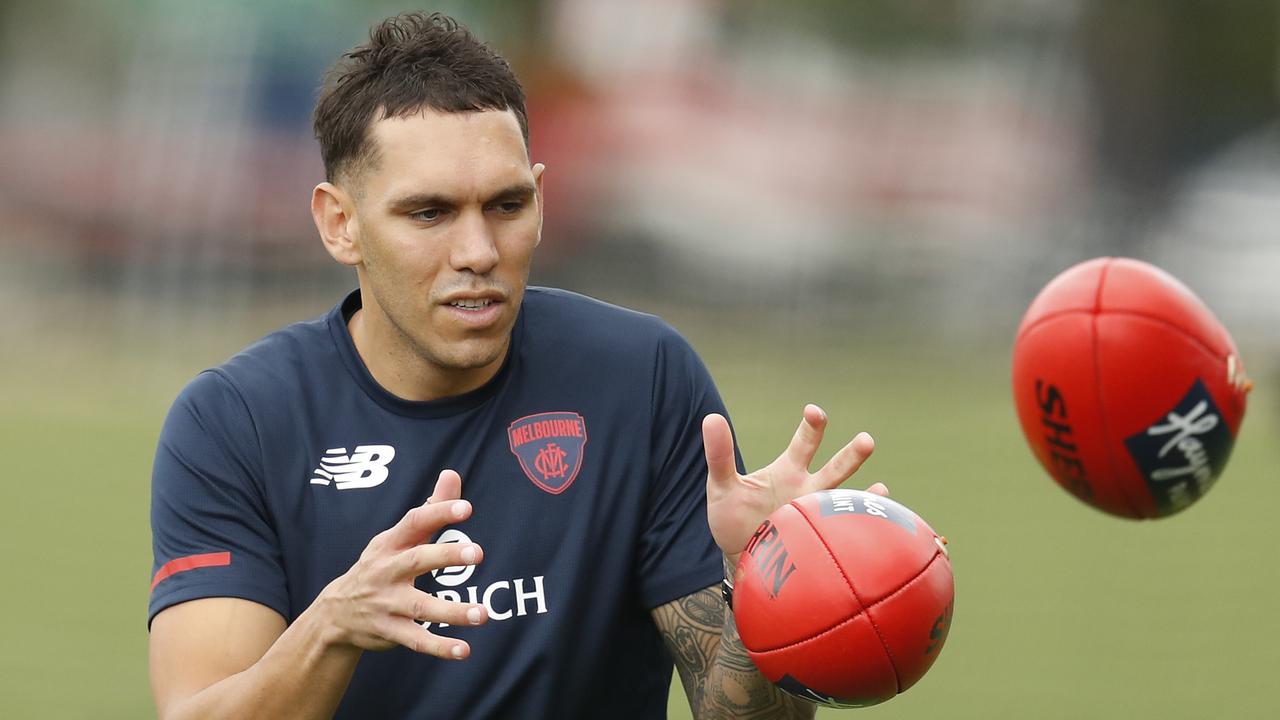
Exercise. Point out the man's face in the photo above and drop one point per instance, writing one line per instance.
(445, 226)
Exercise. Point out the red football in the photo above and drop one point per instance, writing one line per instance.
(1129, 390)
(844, 597)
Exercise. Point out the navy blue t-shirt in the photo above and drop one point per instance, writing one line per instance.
(582, 458)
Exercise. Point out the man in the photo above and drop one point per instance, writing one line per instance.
(582, 491)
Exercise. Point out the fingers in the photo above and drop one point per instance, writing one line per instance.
(410, 634)
(417, 605)
(421, 559)
(717, 440)
(448, 487)
(804, 444)
(442, 508)
(846, 462)
(879, 489)
(422, 522)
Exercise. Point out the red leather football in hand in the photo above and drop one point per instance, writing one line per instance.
(844, 597)
(1129, 390)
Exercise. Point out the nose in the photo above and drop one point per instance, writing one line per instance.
(474, 247)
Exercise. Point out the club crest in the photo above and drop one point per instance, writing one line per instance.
(549, 447)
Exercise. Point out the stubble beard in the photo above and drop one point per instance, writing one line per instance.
(439, 357)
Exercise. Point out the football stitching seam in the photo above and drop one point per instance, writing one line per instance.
(842, 623)
(1097, 386)
(897, 675)
(1120, 313)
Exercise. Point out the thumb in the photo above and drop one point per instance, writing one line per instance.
(448, 487)
(717, 440)
(879, 489)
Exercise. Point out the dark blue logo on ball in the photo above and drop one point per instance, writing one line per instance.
(842, 501)
(1182, 453)
(794, 687)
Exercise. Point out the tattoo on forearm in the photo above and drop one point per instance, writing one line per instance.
(706, 609)
(684, 644)
(718, 675)
(690, 626)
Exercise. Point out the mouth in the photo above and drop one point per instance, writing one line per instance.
(476, 311)
(471, 304)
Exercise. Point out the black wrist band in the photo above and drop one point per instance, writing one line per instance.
(726, 591)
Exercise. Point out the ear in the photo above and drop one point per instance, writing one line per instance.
(538, 170)
(333, 211)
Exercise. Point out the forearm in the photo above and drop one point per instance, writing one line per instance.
(719, 677)
(736, 689)
(302, 675)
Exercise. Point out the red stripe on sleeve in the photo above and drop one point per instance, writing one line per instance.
(190, 562)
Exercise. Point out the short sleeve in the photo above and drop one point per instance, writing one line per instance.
(677, 554)
(210, 527)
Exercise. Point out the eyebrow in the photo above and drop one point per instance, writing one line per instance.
(415, 201)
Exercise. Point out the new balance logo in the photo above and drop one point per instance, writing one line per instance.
(364, 468)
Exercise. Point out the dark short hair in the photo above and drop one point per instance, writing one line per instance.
(413, 61)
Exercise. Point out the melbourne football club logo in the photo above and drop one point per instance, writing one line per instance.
(549, 447)
(365, 467)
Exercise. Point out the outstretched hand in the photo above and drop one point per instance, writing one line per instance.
(737, 504)
(375, 604)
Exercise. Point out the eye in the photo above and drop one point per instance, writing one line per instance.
(509, 207)
(427, 215)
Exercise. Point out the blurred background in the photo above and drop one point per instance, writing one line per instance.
(847, 202)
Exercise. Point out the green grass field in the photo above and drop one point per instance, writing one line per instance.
(1061, 612)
